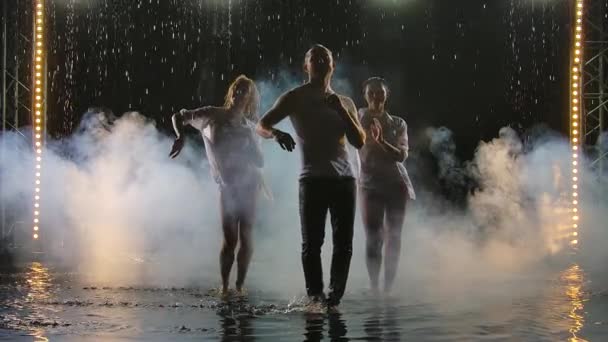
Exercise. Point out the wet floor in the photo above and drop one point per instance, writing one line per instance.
(42, 303)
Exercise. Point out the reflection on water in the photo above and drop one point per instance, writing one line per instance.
(382, 324)
(573, 278)
(315, 327)
(236, 327)
(39, 280)
(556, 306)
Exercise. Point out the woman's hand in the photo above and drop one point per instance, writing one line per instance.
(376, 130)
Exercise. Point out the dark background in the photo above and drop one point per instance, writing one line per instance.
(472, 66)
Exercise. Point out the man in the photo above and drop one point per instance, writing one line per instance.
(323, 121)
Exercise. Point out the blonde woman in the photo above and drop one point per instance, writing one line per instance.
(236, 161)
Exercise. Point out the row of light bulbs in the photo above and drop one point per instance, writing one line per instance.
(38, 106)
(574, 133)
(575, 120)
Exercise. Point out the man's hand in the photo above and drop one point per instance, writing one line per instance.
(284, 139)
(177, 147)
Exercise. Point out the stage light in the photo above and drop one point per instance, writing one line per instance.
(576, 82)
(38, 101)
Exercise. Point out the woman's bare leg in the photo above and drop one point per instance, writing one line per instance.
(246, 222)
(395, 216)
(230, 229)
(373, 216)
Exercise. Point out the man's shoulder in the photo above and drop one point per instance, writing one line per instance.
(346, 100)
(293, 93)
(297, 90)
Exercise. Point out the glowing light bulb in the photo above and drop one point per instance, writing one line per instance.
(574, 163)
(575, 202)
(575, 234)
(574, 242)
(35, 236)
(575, 194)
(574, 179)
(36, 227)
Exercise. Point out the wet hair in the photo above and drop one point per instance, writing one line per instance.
(317, 46)
(253, 101)
(376, 81)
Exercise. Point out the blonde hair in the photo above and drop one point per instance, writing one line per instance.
(253, 100)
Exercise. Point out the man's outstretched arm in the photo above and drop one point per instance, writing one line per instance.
(279, 111)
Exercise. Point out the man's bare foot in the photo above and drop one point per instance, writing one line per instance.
(315, 308)
(333, 310)
(316, 304)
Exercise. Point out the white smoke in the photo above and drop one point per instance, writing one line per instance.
(115, 206)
